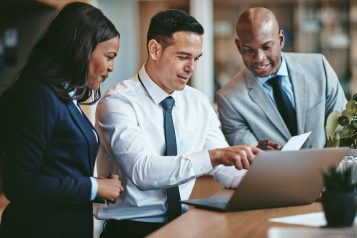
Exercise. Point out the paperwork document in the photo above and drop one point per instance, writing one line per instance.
(315, 219)
(296, 142)
(292, 232)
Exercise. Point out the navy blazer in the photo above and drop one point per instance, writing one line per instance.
(49, 154)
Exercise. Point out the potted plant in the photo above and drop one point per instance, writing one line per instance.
(341, 127)
(339, 197)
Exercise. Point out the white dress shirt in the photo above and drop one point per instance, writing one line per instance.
(130, 124)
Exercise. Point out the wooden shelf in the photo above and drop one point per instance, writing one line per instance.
(60, 3)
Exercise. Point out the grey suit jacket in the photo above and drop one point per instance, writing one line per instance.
(248, 115)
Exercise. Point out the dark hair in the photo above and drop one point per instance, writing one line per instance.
(165, 23)
(61, 56)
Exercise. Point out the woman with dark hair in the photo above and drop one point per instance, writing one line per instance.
(49, 146)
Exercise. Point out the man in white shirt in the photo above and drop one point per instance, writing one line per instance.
(134, 143)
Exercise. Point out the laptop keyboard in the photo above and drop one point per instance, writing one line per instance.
(280, 232)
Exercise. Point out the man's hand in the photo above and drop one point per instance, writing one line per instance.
(268, 145)
(240, 156)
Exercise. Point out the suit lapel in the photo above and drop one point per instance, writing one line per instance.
(258, 95)
(86, 129)
(298, 81)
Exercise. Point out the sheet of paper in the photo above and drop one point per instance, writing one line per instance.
(316, 219)
(303, 232)
(296, 142)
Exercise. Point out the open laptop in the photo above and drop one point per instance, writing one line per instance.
(278, 179)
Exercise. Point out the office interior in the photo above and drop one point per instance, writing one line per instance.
(324, 26)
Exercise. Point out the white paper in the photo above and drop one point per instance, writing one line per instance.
(303, 232)
(296, 142)
(316, 219)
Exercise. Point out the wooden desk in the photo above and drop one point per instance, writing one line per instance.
(243, 224)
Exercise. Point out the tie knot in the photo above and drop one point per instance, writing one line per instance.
(274, 81)
(168, 103)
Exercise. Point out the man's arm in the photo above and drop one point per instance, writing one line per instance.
(234, 127)
(229, 175)
(335, 96)
(124, 139)
(128, 144)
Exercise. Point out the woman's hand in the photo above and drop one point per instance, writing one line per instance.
(109, 188)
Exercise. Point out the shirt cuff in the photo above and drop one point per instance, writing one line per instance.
(229, 176)
(94, 190)
(201, 162)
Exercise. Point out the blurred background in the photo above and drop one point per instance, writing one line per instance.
(325, 26)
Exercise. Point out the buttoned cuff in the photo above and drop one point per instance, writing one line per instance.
(229, 176)
(201, 162)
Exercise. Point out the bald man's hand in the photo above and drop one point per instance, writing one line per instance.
(268, 145)
(240, 156)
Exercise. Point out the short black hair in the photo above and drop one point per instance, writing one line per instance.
(60, 58)
(165, 23)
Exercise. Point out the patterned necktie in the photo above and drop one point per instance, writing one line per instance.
(284, 105)
(173, 194)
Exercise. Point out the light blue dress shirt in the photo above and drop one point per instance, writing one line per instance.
(285, 83)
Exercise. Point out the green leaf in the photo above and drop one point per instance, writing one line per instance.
(351, 106)
(348, 131)
(331, 124)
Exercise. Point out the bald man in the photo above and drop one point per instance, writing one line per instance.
(277, 95)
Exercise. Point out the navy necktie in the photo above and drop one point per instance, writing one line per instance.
(284, 105)
(173, 194)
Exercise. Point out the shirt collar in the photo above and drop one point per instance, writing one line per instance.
(282, 71)
(156, 93)
(71, 94)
